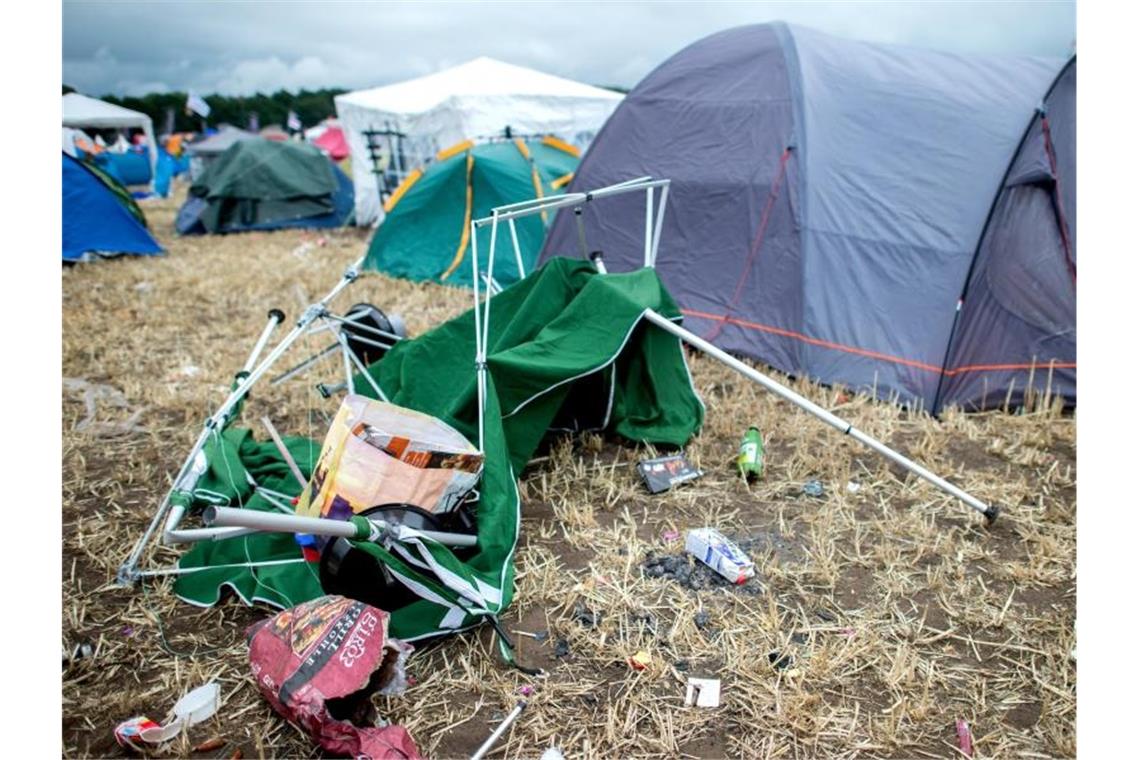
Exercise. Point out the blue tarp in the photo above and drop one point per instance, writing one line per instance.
(130, 168)
(95, 221)
(828, 199)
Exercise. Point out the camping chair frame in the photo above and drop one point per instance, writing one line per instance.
(652, 237)
(254, 369)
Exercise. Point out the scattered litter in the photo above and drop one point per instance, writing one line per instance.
(585, 617)
(663, 473)
(640, 661)
(680, 568)
(210, 745)
(671, 536)
(701, 619)
(681, 665)
(562, 648)
(711, 547)
(853, 487)
(95, 393)
(750, 459)
(813, 488)
(193, 708)
(526, 690)
(318, 665)
(81, 651)
(779, 660)
(965, 738)
(191, 371)
(536, 635)
(499, 731)
(552, 753)
(702, 692)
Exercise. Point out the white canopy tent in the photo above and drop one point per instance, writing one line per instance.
(480, 98)
(80, 112)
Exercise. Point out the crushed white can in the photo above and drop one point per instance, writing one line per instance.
(711, 547)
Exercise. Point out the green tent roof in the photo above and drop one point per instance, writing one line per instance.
(426, 233)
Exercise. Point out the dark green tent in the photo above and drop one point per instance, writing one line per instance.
(565, 343)
(426, 233)
(264, 184)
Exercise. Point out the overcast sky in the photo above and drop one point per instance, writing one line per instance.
(237, 48)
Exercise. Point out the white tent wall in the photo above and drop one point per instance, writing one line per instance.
(475, 99)
(80, 111)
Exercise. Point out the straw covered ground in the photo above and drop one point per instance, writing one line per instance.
(881, 613)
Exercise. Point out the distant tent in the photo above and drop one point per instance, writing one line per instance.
(426, 232)
(476, 99)
(826, 205)
(99, 216)
(331, 141)
(128, 168)
(274, 132)
(203, 151)
(265, 185)
(80, 111)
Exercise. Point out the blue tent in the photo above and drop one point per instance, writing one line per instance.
(97, 219)
(829, 199)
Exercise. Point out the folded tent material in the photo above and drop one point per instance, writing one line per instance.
(426, 234)
(568, 348)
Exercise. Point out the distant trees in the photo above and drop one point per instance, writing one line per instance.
(311, 106)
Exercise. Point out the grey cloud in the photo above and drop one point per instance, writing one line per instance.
(238, 48)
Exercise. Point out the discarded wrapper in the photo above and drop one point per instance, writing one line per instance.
(640, 660)
(965, 738)
(194, 707)
(711, 547)
(702, 692)
(663, 473)
(318, 665)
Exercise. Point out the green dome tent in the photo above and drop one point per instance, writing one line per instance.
(426, 233)
(259, 184)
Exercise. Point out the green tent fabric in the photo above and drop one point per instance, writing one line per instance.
(263, 181)
(426, 232)
(567, 348)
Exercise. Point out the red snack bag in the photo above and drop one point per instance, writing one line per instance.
(318, 665)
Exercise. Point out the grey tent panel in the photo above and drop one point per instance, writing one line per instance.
(828, 195)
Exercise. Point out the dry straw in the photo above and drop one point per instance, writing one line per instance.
(897, 611)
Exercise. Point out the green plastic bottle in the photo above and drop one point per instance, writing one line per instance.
(750, 460)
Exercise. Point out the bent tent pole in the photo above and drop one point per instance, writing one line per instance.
(188, 474)
(990, 511)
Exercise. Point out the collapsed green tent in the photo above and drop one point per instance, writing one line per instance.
(261, 184)
(426, 233)
(567, 348)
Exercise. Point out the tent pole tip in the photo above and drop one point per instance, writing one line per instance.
(991, 514)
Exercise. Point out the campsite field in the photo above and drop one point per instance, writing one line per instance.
(892, 611)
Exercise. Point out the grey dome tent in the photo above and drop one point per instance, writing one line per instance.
(830, 200)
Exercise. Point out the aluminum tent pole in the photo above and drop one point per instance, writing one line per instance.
(479, 358)
(518, 250)
(276, 317)
(990, 511)
(648, 226)
(657, 223)
(129, 569)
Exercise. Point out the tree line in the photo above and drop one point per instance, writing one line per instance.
(311, 107)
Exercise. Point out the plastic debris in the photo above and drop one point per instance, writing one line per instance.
(318, 665)
(853, 486)
(701, 619)
(965, 738)
(194, 707)
(640, 661)
(562, 648)
(552, 753)
(813, 488)
(711, 547)
(526, 690)
(663, 473)
(702, 692)
(671, 536)
(750, 459)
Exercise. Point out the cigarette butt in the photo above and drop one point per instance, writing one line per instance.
(210, 744)
(236, 755)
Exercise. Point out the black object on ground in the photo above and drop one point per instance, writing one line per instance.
(663, 473)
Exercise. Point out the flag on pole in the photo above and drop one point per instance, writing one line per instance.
(293, 122)
(197, 104)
